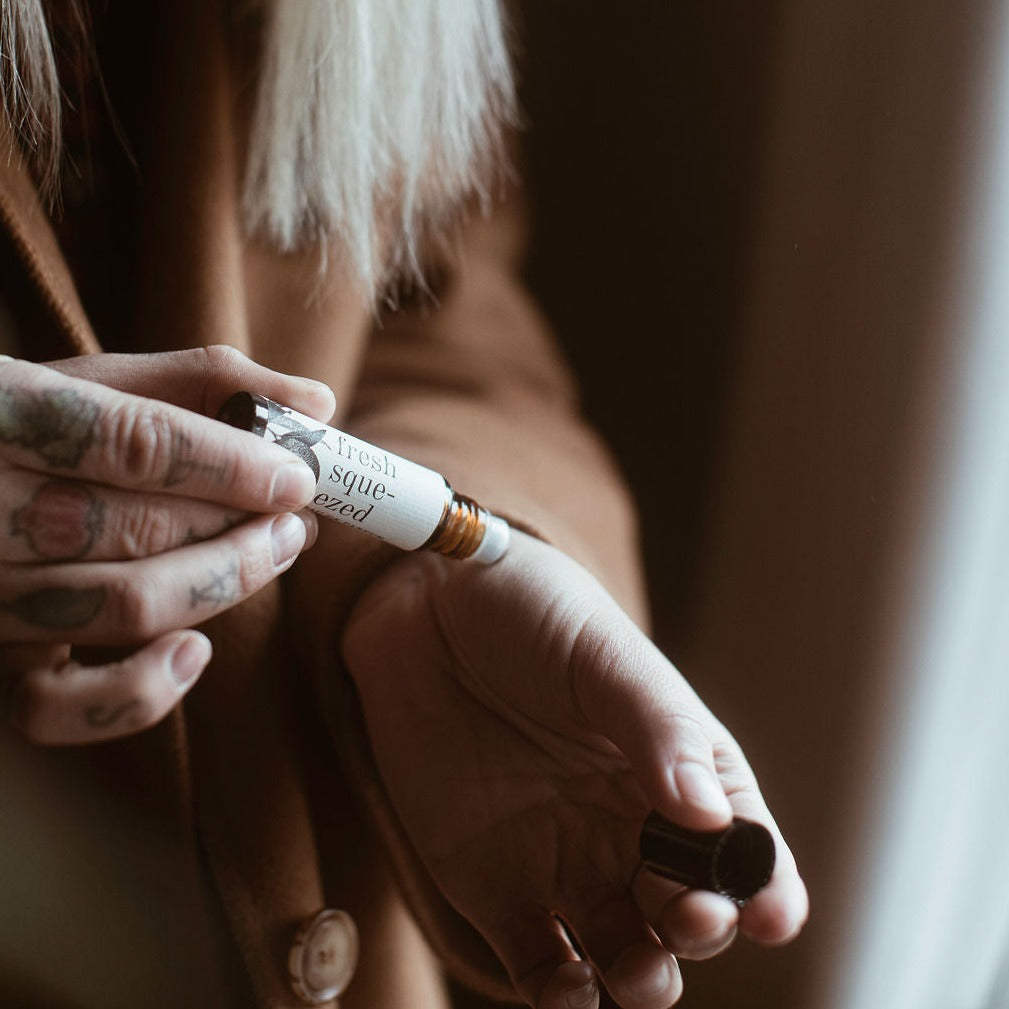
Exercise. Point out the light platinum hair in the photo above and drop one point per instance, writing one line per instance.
(29, 88)
(399, 116)
(373, 121)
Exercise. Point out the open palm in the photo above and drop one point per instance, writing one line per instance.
(523, 727)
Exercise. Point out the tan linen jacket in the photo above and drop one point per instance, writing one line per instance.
(174, 868)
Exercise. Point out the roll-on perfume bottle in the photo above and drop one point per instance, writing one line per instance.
(363, 486)
(737, 861)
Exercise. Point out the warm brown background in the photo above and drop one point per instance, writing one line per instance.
(645, 125)
(749, 218)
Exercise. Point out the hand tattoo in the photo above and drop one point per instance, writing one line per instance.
(58, 609)
(61, 522)
(221, 590)
(98, 716)
(57, 424)
(182, 463)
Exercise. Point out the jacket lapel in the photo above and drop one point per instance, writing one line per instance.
(25, 220)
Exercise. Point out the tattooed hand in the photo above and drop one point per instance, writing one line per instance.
(126, 517)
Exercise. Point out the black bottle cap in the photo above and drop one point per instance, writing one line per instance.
(736, 861)
(246, 411)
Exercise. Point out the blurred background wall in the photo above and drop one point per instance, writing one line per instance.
(645, 126)
(749, 224)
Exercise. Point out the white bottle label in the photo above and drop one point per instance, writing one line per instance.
(360, 484)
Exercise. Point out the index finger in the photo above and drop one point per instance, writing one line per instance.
(200, 379)
(51, 422)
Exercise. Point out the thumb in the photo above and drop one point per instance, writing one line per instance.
(629, 692)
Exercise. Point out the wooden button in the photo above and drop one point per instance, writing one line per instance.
(323, 957)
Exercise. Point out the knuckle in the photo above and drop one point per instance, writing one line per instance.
(221, 364)
(254, 569)
(141, 445)
(687, 724)
(222, 358)
(737, 780)
(148, 531)
(690, 733)
(136, 606)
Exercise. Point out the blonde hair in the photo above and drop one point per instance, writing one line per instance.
(374, 119)
(29, 88)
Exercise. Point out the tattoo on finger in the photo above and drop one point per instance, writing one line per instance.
(57, 608)
(221, 590)
(183, 462)
(61, 522)
(59, 425)
(101, 716)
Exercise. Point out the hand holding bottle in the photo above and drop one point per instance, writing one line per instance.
(129, 517)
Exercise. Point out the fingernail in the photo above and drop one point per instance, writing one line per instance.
(190, 659)
(698, 786)
(293, 486)
(579, 998)
(644, 973)
(702, 947)
(723, 938)
(311, 528)
(323, 390)
(655, 982)
(288, 535)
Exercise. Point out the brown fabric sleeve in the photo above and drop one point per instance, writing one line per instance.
(476, 388)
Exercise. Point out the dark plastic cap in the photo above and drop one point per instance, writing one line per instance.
(246, 411)
(736, 862)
